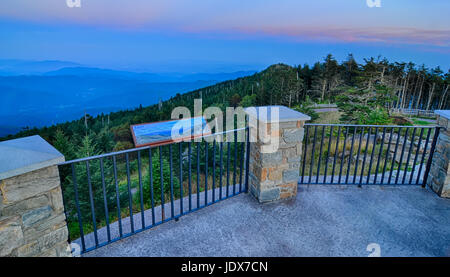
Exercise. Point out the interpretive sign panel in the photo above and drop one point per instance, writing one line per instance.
(163, 132)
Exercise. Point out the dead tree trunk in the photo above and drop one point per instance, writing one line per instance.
(430, 96)
(444, 96)
(420, 93)
(324, 85)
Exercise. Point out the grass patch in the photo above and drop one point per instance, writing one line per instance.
(421, 122)
(328, 118)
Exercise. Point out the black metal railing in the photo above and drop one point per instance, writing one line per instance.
(367, 154)
(112, 196)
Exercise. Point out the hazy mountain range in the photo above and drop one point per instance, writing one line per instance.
(47, 92)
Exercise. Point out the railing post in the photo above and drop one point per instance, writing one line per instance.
(32, 219)
(430, 157)
(438, 178)
(276, 135)
(247, 159)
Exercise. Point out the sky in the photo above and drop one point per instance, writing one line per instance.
(223, 35)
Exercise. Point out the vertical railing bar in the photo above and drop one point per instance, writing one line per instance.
(77, 203)
(105, 201)
(351, 155)
(190, 174)
(343, 155)
(336, 150)
(130, 202)
(172, 205)
(180, 159)
(320, 154)
(372, 154)
(221, 170)
(214, 173)
(379, 156)
(304, 154)
(416, 155)
(206, 173)
(395, 155)
(365, 155)
(141, 190)
(409, 155)
(198, 175)
(119, 215)
(355, 173)
(312, 156)
(235, 162)
(228, 167)
(387, 155)
(241, 164)
(422, 160)
(150, 170)
(161, 174)
(401, 156)
(430, 157)
(328, 154)
(247, 162)
(91, 199)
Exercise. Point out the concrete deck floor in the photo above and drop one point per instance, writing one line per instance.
(321, 221)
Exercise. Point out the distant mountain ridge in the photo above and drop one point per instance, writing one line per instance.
(149, 77)
(45, 100)
(12, 67)
(68, 90)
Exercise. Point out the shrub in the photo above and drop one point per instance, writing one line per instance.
(377, 116)
(308, 111)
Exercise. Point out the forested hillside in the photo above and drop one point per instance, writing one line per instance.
(364, 92)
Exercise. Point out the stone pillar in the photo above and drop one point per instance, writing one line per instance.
(439, 176)
(276, 135)
(32, 219)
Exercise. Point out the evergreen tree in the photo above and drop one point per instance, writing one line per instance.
(64, 145)
(95, 170)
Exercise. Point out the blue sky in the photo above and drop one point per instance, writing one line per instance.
(219, 35)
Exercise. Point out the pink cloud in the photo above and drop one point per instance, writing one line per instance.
(330, 21)
(440, 38)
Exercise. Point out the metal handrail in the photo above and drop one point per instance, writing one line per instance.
(100, 189)
(408, 145)
(372, 126)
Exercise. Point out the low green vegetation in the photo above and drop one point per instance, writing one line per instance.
(421, 122)
(328, 118)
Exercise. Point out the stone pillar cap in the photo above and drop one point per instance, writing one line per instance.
(443, 113)
(20, 156)
(264, 113)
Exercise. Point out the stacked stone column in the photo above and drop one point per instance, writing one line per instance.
(32, 219)
(275, 152)
(439, 176)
